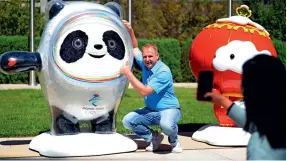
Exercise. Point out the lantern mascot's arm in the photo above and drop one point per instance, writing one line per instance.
(16, 62)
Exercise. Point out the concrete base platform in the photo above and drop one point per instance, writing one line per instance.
(83, 144)
(18, 148)
(222, 136)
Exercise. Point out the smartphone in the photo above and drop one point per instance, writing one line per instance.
(204, 85)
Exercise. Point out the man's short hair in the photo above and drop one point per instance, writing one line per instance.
(150, 45)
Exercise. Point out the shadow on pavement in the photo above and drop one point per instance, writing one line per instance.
(163, 148)
(190, 127)
(15, 142)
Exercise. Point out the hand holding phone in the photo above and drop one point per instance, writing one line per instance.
(205, 82)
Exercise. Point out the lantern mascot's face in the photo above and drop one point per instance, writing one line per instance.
(78, 63)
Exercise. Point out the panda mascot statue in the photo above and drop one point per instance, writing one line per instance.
(82, 49)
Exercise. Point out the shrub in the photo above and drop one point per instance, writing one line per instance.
(281, 50)
(187, 75)
(170, 54)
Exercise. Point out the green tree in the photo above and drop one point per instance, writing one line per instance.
(200, 13)
(145, 19)
(14, 18)
(271, 15)
(172, 17)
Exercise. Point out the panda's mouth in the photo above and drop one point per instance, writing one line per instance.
(97, 56)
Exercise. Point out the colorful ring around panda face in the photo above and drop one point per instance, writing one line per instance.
(90, 47)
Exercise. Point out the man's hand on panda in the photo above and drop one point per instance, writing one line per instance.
(132, 34)
(142, 89)
(125, 69)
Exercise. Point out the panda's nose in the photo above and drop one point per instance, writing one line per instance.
(98, 46)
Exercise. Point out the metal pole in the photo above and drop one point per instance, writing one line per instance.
(32, 74)
(130, 12)
(229, 8)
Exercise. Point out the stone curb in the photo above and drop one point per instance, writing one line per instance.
(26, 86)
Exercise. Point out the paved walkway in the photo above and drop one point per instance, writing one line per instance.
(18, 148)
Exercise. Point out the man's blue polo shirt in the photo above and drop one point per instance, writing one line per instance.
(159, 78)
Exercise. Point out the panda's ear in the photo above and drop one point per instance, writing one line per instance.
(53, 8)
(115, 7)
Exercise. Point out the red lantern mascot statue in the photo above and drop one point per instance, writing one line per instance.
(223, 47)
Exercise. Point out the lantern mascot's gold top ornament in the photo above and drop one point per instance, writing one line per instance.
(223, 47)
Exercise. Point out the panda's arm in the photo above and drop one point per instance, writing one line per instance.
(19, 61)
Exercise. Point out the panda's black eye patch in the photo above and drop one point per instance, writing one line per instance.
(74, 46)
(114, 44)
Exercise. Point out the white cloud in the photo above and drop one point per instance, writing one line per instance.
(240, 51)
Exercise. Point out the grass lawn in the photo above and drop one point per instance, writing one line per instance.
(26, 113)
